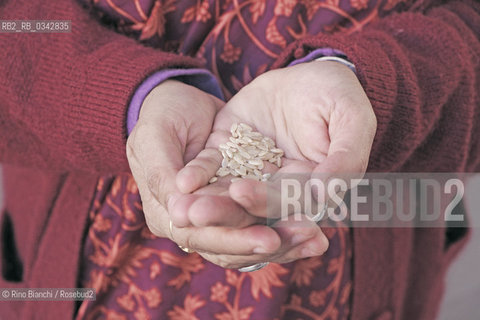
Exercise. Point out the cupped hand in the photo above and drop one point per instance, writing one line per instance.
(317, 112)
(175, 121)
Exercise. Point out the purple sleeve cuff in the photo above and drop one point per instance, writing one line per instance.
(204, 80)
(325, 53)
(200, 78)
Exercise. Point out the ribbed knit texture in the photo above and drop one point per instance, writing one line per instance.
(63, 100)
(64, 97)
(421, 73)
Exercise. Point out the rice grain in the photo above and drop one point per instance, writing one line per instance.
(244, 154)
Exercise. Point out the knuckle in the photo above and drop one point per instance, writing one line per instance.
(179, 219)
(212, 156)
(201, 169)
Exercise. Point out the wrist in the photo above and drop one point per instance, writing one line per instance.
(174, 99)
(199, 78)
(159, 97)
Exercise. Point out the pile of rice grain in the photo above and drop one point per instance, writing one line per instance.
(244, 154)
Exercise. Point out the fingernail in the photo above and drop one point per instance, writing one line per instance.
(260, 250)
(171, 199)
(307, 252)
(245, 201)
(299, 238)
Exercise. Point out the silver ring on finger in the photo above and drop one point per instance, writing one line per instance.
(184, 249)
(253, 267)
(319, 216)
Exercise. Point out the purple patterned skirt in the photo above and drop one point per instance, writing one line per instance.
(140, 276)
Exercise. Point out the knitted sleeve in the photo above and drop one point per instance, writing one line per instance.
(64, 96)
(421, 71)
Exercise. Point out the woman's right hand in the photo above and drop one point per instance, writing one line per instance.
(174, 123)
(319, 114)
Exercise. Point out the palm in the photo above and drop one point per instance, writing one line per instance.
(304, 140)
(318, 114)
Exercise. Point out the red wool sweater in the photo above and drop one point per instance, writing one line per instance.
(63, 100)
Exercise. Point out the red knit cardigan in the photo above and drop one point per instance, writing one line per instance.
(63, 100)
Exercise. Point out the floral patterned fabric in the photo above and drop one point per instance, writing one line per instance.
(139, 276)
(238, 39)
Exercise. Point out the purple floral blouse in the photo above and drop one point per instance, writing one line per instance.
(140, 276)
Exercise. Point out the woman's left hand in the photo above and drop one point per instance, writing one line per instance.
(317, 112)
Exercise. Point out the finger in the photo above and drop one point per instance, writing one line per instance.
(252, 195)
(315, 245)
(296, 232)
(213, 210)
(232, 241)
(259, 198)
(199, 171)
(285, 194)
(300, 239)
(204, 166)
